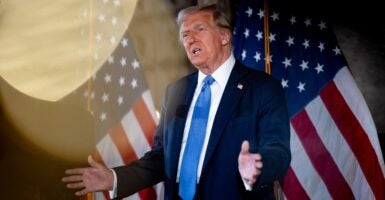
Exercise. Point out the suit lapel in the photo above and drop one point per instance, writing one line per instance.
(185, 92)
(235, 87)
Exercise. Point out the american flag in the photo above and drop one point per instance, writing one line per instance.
(116, 94)
(334, 143)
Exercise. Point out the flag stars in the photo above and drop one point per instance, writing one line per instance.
(259, 35)
(135, 64)
(103, 116)
(293, 20)
(286, 62)
(321, 46)
(246, 33)
(270, 58)
(322, 25)
(249, 12)
(98, 37)
(105, 97)
(134, 83)
(290, 41)
(243, 54)
(319, 68)
(304, 65)
(124, 42)
(306, 43)
(114, 21)
(85, 93)
(261, 13)
(301, 87)
(122, 81)
(102, 18)
(107, 78)
(120, 100)
(307, 22)
(257, 56)
(275, 16)
(337, 51)
(113, 40)
(117, 3)
(272, 37)
(110, 59)
(96, 56)
(285, 83)
(123, 61)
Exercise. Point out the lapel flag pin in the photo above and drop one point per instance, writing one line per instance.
(240, 86)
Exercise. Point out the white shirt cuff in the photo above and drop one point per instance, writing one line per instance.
(247, 186)
(112, 193)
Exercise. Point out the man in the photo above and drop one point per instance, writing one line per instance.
(210, 122)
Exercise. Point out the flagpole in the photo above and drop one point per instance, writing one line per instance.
(266, 38)
(89, 196)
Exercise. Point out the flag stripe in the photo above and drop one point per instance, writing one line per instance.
(125, 149)
(356, 138)
(295, 191)
(138, 141)
(320, 157)
(342, 154)
(353, 97)
(145, 119)
(150, 105)
(304, 170)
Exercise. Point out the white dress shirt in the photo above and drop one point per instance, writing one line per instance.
(221, 76)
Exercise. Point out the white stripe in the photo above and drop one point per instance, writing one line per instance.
(109, 153)
(159, 188)
(353, 97)
(304, 170)
(135, 134)
(150, 105)
(339, 149)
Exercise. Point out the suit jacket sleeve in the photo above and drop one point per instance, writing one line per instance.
(273, 136)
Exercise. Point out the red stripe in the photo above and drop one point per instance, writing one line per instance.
(127, 153)
(321, 158)
(124, 147)
(356, 137)
(145, 119)
(292, 187)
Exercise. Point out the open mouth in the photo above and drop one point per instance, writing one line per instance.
(196, 50)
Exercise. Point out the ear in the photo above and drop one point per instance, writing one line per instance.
(225, 36)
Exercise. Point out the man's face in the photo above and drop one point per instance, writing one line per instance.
(203, 41)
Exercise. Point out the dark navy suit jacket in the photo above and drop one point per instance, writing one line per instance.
(252, 108)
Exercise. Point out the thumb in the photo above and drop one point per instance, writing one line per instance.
(93, 163)
(245, 147)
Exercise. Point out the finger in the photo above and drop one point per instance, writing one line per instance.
(245, 147)
(75, 185)
(259, 164)
(75, 171)
(82, 192)
(257, 157)
(72, 178)
(93, 163)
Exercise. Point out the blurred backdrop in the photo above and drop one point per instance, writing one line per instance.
(47, 52)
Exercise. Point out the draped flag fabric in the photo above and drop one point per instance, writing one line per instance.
(119, 99)
(334, 142)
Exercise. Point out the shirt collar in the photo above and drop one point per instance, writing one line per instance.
(221, 74)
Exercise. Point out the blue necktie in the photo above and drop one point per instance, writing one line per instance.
(196, 136)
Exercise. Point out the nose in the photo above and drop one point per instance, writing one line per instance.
(190, 39)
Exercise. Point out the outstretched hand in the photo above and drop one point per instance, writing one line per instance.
(249, 164)
(89, 179)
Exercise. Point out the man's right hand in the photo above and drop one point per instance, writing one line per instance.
(89, 179)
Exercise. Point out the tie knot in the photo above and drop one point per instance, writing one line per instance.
(208, 80)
